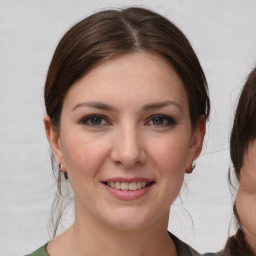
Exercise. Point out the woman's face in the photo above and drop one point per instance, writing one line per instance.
(125, 140)
(246, 195)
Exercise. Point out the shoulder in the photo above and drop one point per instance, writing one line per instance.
(221, 253)
(183, 249)
(39, 252)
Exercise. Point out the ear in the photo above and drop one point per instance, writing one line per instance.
(54, 140)
(197, 139)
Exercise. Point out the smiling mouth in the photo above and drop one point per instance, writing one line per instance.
(128, 186)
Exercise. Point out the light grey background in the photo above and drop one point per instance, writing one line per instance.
(223, 34)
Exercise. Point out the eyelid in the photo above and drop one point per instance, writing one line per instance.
(167, 120)
(171, 121)
(89, 117)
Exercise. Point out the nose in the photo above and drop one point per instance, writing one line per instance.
(128, 149)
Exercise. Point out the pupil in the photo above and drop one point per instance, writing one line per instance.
(158, 121)
(96, 121)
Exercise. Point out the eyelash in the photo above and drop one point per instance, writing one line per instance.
(166, 121)
(90, 118)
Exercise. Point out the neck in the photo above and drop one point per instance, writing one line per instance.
(92, 237)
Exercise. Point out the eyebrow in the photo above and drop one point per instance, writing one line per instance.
(98, 105)
(147, 107)
(158, 105)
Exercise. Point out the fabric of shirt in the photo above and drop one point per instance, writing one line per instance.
(182, 249)
(40, 252)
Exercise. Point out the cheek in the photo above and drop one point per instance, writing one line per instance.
(242, 206)
(170, 158)
(246, 208)
(246, 197)
(248, 176)
(83, 156)
(171, 154)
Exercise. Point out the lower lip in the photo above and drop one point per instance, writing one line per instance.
(128, 194)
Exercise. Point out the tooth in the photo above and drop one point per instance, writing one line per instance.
(132, 186)
(143, 184)
(127, 186)
(117, 185)
(139, 185)
(124, 186)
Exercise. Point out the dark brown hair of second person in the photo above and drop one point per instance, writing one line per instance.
(242, 134)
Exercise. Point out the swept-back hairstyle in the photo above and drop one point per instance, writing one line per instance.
(242, 134)
(115, 32)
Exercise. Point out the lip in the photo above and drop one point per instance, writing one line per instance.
(128, 194)
(122, 179)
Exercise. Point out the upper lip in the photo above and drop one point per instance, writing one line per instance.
(128, 180)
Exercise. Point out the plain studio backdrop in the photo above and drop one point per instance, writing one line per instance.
(223, 34)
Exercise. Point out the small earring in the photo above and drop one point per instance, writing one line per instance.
(193, 165)
(60, 167)
(190, 169)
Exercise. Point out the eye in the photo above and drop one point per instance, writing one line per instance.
(94, 121)
(161, 120)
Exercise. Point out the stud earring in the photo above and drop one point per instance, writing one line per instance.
(60, 167)
(190, 169)
(193, 165)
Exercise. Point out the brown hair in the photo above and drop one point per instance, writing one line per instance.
(242, 134)
(112, 32)
(244, 126)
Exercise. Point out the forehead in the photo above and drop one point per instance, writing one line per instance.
(138, 76)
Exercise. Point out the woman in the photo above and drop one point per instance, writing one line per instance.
(126, 101)
(243, 155)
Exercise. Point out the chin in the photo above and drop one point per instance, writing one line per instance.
(129, 220)
(127, 225)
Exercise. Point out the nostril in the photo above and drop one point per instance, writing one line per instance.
(128, 151)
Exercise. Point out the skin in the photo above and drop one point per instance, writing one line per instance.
(246, 195)
(129, 141)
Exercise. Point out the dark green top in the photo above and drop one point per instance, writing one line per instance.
(40, 252)
(182, 249)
